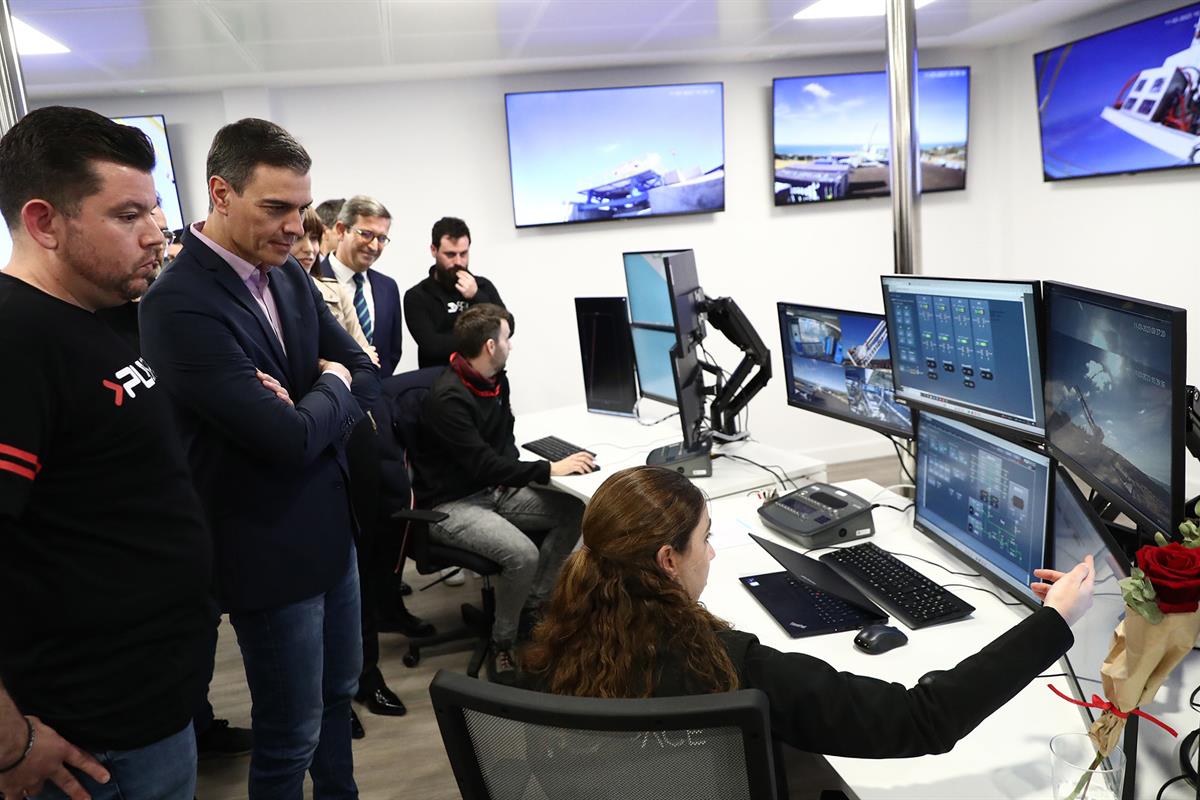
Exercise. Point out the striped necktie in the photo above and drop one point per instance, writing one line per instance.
(360, 306)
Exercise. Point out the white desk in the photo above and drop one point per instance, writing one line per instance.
(1007, 756)
(621, 442)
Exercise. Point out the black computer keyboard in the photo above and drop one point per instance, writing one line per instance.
(553, 448)
(896, 586)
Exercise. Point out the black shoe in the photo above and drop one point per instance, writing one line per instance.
(356, 728)
(403, 622)
(382, 701)
(222, 739)
(405, 589)
(502, 665)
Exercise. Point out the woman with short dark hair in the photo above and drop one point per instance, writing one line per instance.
(624, 621)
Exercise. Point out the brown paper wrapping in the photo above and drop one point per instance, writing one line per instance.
(1138, 663)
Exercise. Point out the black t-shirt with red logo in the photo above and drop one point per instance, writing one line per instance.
(104, 558)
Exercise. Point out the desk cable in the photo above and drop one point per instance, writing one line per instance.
(982, 589)
(780, 477)
(900, 457)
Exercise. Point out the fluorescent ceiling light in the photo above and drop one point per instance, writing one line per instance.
(830, 9)
(32, 42)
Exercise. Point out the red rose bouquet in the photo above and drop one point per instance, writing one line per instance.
(1161, 625)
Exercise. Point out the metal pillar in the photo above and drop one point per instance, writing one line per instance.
(13, 105)
(905, 162)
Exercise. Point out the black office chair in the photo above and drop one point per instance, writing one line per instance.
(401, 417)
(512, 744)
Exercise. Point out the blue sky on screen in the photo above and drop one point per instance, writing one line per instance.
(1097, 68)
(852, 109)
(561, 142)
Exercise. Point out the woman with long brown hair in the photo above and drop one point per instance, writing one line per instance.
(624, 621)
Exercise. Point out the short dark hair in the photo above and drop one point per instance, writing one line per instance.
(313, 227)
(49, 154)
(328, 211)
(478, 324)
(241, 146)
(453, 227)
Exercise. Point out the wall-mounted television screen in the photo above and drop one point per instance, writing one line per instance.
(598, 154)
(832, 134)
(155, 127)
(1126, 100)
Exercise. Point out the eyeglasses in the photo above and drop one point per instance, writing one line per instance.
(370, 236)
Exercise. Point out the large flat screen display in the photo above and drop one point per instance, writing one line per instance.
(1126, 100)
(155, 127)
(598, 154)
(832, 134)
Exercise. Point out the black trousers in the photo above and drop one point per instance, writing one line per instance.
(378, 547)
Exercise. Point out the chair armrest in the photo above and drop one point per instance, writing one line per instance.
(420, 515)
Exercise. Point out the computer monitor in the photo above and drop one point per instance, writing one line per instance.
(838, 363)
(646, 285)
(1115, 398)
(606, 352)
(985, 499)
(1078, 532)
(687, 299)
(155, 128)
(652, 318)
(968, 349)
(688, 377)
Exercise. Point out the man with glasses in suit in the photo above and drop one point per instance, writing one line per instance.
(362, 230)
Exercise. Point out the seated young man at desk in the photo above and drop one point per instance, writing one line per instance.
(467, 465)
(624, 621)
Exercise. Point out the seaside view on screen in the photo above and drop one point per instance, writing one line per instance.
(832, 134)
(600, 154)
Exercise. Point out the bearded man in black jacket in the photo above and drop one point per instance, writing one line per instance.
(467, 465)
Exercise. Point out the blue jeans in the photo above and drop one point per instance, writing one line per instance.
(302, 664)
(165, 770)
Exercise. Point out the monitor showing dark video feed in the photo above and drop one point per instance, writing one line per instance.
(985, 499)
(968, 348)
(832, 134)
(1126, 100)
(1114, 399)
(600, 154)
(838, 363)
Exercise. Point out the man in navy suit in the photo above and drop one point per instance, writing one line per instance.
(362, 230)
(267, 387)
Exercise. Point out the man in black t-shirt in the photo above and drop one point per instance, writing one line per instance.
(103, 554)
(433, 306)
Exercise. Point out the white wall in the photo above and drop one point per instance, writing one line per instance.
(439, 147)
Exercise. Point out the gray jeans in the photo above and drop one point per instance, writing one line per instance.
(493, 523)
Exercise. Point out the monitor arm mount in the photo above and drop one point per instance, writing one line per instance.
(734, 394)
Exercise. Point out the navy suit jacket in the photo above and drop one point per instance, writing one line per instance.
(271, 476)
(388, 333)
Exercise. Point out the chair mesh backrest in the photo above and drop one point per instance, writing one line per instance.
(521, 761)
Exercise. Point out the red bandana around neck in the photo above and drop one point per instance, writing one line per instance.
(475, 383)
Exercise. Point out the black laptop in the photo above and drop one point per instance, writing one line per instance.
(809, 598)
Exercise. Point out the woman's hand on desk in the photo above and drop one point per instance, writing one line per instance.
(1068, 593)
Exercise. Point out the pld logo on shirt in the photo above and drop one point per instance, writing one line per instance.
(455, 306)
(127, 379)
